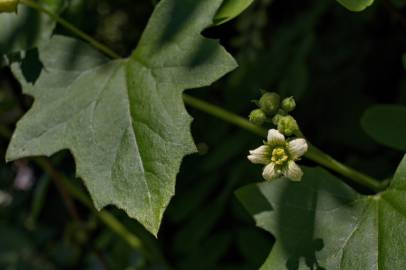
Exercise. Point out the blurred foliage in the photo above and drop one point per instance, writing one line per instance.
(336, 63)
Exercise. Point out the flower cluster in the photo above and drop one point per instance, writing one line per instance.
(279, 156)
(272, 109)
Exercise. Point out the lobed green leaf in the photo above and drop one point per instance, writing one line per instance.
(124, 121)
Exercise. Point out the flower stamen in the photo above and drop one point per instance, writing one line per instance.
(279, 156)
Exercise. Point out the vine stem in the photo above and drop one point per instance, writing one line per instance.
(313, 153)
(103, 48)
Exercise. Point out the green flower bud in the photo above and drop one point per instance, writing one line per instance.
(287, 125)
(289, 104)
(257, 117)
(276, 119)
(270, 102)
(8, 5)
(281, 113)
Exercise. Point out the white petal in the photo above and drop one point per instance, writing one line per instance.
(257, 159)
(262, 150)
(275, 137)
(259, 155)
(297, 148)
(293, 171)
(270, 172)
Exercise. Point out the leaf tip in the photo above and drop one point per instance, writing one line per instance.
(230, 9)
(356, 5)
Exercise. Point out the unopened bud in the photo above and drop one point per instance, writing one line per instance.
(8, 5)
(288, 104)
(287, 125)
(276, 119)
(281, 113)
(270, 102)
(257, 117)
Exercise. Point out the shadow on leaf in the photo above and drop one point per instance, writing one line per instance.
(290, 212)
(23, 33)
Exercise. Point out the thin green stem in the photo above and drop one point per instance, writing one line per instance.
(360, 178)
(223, 114)
(72, 28)
(313, 154)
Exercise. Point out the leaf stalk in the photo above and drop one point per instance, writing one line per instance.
(313, 154)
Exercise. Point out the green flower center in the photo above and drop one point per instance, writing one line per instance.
(279, 156)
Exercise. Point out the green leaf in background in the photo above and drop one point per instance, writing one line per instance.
(124, 121)
(356, 5)
(399, 3)
(231, 9)
(26, 28)
(386, 125)
(17, 251)
(321, 223)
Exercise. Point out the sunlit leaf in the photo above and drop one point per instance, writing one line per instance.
(231, 9)
(356, 5)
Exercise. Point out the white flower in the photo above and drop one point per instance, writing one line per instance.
(279, 156)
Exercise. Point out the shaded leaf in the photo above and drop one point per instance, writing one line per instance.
(207, 255)
(386, 125)
(321, 223)
(197, 229)
(26, 28)
(124, 121)
(254, 245)
(295, 79)
(187, 204)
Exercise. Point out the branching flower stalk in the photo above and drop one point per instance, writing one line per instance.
(281, 119)
(277, 112)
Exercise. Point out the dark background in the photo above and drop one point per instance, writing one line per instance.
(334, 62)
